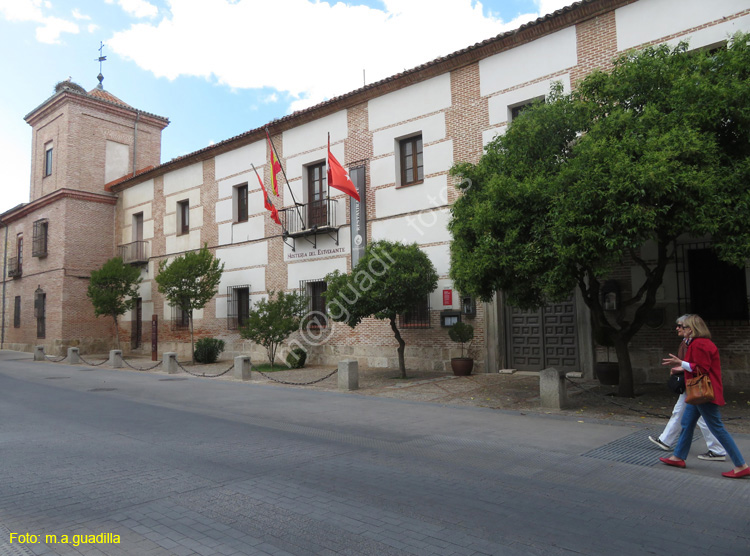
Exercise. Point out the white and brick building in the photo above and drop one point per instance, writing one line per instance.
(108, 194)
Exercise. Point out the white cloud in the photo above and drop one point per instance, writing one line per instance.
(310, 50)
(138, 8)
(50, 28)
(79, 15)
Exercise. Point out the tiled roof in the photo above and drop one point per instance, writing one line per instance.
(106, 95)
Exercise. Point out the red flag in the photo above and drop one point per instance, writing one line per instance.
(338, 177)
(267, 201)
(275, 166)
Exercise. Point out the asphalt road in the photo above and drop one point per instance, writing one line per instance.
(160, 464)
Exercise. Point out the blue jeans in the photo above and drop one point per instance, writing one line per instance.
(710, 414)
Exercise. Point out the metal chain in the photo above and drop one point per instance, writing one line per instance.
(204, 374)
(142, 369)
(295, 383)
(92, 364)
(47, 357)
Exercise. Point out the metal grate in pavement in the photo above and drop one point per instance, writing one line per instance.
(55, 377)
(102, 389)
(635, 449)
(7, 549)
(171, 379)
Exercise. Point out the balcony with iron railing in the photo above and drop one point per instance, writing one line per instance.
(136, 252)
(14, 267)
(306, 220)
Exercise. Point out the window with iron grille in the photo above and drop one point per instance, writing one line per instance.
(180, 318)
(709, 287)
(238, 306)
(416, 317)
(39, 240)
(313, 290)
(17, 312)
(411, 160)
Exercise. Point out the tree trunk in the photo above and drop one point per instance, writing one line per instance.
(117, 332)
(401, 346)
(625, 388)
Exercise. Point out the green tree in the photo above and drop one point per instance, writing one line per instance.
(113, 290)
(273, 320)
(190, 282)
(387, 281)
(656, 148)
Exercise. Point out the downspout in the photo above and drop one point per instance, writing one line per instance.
(135, 138)
(5, 265)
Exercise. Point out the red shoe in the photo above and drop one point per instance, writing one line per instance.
(678, 462)
(737, 474)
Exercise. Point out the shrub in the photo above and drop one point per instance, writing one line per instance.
(296, 358)
(207, 350)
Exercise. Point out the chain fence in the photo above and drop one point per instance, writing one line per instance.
(92, 364)
(51, 359)
(295, 383)
(152, 367)
(204, 374)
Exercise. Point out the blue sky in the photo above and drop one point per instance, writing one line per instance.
(217, 68)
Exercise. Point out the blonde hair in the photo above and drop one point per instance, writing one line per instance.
(698, 326)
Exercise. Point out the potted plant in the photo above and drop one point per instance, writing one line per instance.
(463, 334)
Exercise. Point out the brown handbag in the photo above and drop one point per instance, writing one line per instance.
(698, 389)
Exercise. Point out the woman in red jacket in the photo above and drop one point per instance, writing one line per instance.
(703, 353)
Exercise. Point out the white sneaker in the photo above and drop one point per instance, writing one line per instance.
(660, 444)
(710, 456)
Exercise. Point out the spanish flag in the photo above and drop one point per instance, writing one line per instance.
(267, 201)
(275, 166)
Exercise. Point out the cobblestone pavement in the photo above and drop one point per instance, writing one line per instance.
(179, 465)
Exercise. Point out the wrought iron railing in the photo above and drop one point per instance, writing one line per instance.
(135, 252)
(14, 267)
(309, 216)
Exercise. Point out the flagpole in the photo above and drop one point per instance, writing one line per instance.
(328, 170)
(266, 197)
(289, 187)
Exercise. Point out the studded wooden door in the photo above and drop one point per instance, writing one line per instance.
(543, 338)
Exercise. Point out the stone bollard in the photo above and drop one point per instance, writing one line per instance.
(348, 374)
(39, 353)
(553, 393)
(170, 363)
(73, 357)
(242, 367)
(115, 358)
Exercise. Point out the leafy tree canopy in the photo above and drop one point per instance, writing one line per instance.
(190, 281)
(273, 320)
(655, 148)
(390, 279)
(113, 289)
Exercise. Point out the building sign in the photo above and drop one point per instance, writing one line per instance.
(314, 253)
(358, 212)
(448, 298)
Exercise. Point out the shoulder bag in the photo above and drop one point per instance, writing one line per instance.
(698, 389)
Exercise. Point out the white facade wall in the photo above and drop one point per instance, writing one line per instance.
(545, 56)
(416, 100)
(184, 178)
(644, 22)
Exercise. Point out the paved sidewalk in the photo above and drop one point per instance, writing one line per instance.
(179, 465)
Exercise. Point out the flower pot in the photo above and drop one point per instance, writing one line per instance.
(608, 373)
(462, 366)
